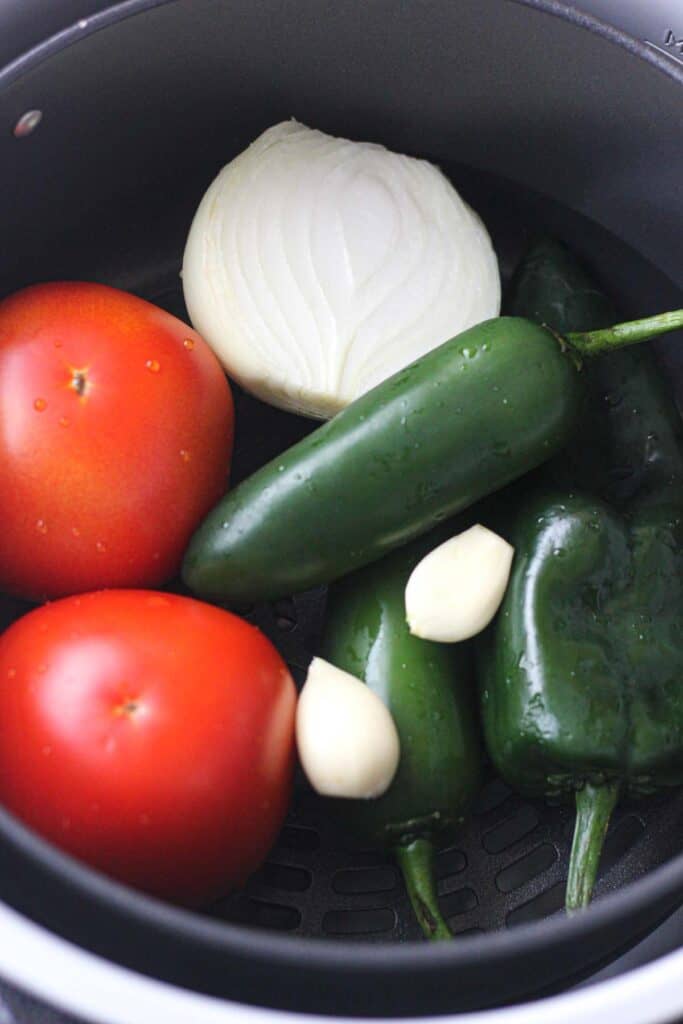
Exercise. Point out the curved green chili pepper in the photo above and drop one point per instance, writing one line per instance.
(463, 421)
(429, 689)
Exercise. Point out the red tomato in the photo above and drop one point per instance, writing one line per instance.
(116, 429)
(150, 735)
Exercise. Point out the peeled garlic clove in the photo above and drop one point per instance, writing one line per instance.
(316, 267)
(455, 591)
(347, 739)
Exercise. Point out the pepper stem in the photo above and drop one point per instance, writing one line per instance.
(416, 861)
(594, 805)
(592, 343)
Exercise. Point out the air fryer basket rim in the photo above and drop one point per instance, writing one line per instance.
(663, 884)
(129, 8)
(326, 954)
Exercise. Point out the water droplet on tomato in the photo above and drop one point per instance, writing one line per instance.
(58, 343)
(153, 365)
(64, 421)
(46, 751)
(41, 526)
(100, 547)
(188, 343)
(185, 455)
(75, 531)
(11, 672)
(40, 405)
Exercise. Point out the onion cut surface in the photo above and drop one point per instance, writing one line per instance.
(316, 267)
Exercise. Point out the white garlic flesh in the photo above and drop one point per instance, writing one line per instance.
(455, 591)
(346, 737)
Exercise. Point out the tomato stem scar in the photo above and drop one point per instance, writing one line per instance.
(79, 382)
(127, 707)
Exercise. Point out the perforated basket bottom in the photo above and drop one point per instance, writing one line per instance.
(508, 867)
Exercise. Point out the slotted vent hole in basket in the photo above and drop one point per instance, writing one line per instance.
(314, 884)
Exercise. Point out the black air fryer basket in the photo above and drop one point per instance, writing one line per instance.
(546, 121)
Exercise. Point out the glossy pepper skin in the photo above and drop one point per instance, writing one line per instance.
(629, 439)
(461, 422)
(430, 692)
(580, 671)
(452, 427)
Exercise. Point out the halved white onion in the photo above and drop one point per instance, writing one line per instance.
(316, 267)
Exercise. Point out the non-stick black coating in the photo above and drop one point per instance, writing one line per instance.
(138, 117)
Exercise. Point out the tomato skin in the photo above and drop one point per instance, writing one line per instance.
(116, 432)
(150, 735)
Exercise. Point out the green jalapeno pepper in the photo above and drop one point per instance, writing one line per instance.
(429, 689)
(463, 421)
